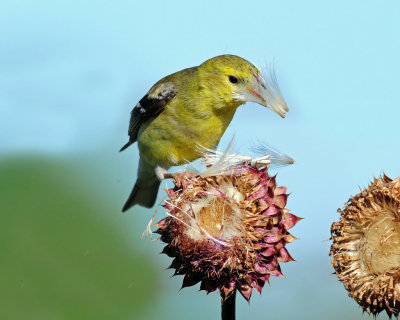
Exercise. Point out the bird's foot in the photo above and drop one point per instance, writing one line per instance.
(180, 178)
(183, 179)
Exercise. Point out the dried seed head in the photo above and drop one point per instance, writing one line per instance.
(227, 231)
(366, 247)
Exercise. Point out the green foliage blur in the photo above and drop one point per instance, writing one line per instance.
(62, 255)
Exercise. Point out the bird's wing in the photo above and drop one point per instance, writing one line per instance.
(151, 105)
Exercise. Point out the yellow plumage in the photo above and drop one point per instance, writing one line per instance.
(188, 109)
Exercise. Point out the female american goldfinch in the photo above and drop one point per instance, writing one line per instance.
(188, 109)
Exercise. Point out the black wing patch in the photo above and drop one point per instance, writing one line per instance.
(151, 105)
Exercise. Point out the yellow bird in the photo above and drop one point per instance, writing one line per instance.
(188, 109)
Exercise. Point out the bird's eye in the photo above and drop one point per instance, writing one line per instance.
(233, 79)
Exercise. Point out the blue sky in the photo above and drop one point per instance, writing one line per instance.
(71, 72)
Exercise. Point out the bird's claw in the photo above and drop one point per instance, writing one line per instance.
(183, 179)
(180, 179)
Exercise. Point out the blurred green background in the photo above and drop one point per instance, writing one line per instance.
(64, 256)
(70, 73)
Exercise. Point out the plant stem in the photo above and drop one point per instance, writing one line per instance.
(228, 308)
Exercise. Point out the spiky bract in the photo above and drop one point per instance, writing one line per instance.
(228, 232)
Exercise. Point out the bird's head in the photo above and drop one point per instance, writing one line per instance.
(237, 81)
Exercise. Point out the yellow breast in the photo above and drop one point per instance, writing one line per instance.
(177, 134)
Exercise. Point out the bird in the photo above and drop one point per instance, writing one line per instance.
(191, 108)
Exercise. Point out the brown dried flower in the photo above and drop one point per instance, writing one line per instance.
(366, 247)
(227, 231)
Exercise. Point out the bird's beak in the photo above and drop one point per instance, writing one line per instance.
(266, 95)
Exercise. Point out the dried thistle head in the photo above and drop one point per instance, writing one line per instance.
(366, 247)
(227, 231)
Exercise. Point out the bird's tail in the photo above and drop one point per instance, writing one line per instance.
(126, 145)
(145, 190)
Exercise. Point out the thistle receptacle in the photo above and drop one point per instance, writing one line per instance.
(366, 247)
(227, 231)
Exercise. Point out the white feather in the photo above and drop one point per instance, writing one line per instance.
(277, 158)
